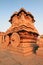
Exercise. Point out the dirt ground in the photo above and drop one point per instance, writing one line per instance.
(14, 58)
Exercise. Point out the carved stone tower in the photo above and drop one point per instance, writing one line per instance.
(22, 33)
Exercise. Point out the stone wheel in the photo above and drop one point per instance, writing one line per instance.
(15, 39)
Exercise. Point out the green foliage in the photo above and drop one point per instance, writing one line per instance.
(35, 47)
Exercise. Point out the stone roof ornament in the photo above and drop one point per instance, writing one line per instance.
(22, 11)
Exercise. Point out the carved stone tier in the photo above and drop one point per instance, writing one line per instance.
(20, 15)
(27, 37)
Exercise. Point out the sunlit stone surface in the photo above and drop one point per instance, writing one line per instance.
(21, 44)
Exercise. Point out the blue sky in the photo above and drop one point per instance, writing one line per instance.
(8, 7)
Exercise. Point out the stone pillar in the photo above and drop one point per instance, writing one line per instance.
(0, 39)
(6, 42)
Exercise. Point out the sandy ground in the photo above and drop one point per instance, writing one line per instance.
(14, 58)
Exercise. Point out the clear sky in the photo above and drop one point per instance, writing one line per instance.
(8, 7)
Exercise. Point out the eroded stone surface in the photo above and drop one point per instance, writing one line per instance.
(22, 32)
(19, 43)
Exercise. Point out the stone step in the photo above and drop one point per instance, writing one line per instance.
(28, 53)
(27, 40)
(25, 45)
(24, 50)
